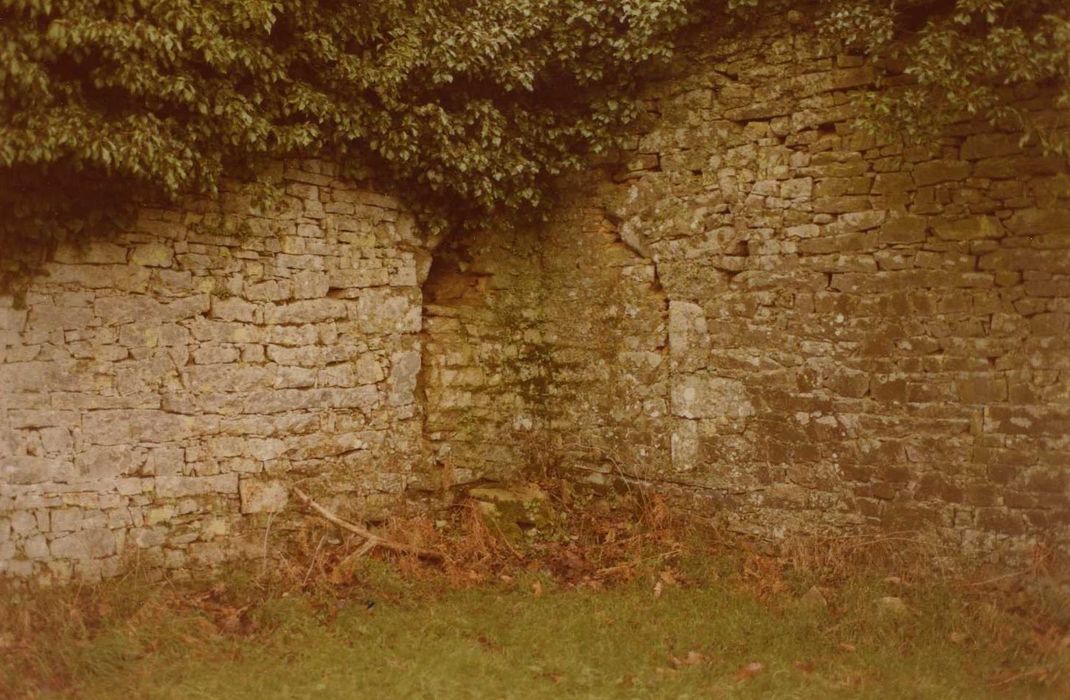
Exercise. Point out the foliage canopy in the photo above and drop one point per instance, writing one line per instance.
(472, 106)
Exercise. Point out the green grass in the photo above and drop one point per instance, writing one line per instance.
(430, 641)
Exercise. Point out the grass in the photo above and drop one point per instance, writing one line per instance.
(620, 597)
(703, 632)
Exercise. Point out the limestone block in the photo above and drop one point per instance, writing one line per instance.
(153, 255)
(140, 335)
(216, 355)
(938, 171)
(66, 519)
(688, 333)
(86, 544)
(27, 469)
(307, 311)
(118, 277)
(270, 290)
(126, 427)
(48, 318)
(310, 285)
(404, 370)
(234, 309)
(968, 229)
(701, 396)
(181, 486)
(385, 312)
(685, 446)
(56, 441)
(1039, 222)
(354, 280)
(264, 449)
(91, 253)
(1026, 259)
(982, 146)
(204, 379)
(368, 370)
(262, 496)
(295, 377)
(96, 463)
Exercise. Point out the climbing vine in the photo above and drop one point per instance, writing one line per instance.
(960, 60)
(471, 102)
(469, 106)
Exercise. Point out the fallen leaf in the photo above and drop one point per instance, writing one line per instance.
(750, 670)
(848, 647)
(657, 589)
(804, 666)
(957, 637)
(694, 657)
(536, 588)
(892, 605)
(814, 598)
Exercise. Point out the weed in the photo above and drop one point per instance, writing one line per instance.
(620, 597)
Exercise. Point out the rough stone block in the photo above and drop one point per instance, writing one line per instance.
(700, 396)
(86, 544)
(153, 255)
(938, 171)
(263, 496)
(182, 486)
(969, 229)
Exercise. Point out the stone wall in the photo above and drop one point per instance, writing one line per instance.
(484, 380)
(817, 330)
(163, 387)
(813, 330)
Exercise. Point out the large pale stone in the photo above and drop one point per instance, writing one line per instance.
(95, 463)
(699, 396)
(404, 370)
(262, 496)
(179, 486)
(87, 544)
(127, 427)
(308, 311)
(969, 229)
(93, 252)
(685, 445)
(688, 333)
(153, 255)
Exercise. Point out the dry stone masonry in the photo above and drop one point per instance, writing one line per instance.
(812, 330)
(162, 388)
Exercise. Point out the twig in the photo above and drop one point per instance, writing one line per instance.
(505, 540)
(366, 547)
(1039, 671)
(371, 538)
(985, 582)
(634, 478)
(267, 533)
(636, 562)
(315, 557)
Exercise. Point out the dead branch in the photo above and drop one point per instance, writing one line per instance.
(371, 539)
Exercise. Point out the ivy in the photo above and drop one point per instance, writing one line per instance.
(962, 60)
(471, 107)
(472, 104)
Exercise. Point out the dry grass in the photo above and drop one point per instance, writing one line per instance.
(687, 613)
